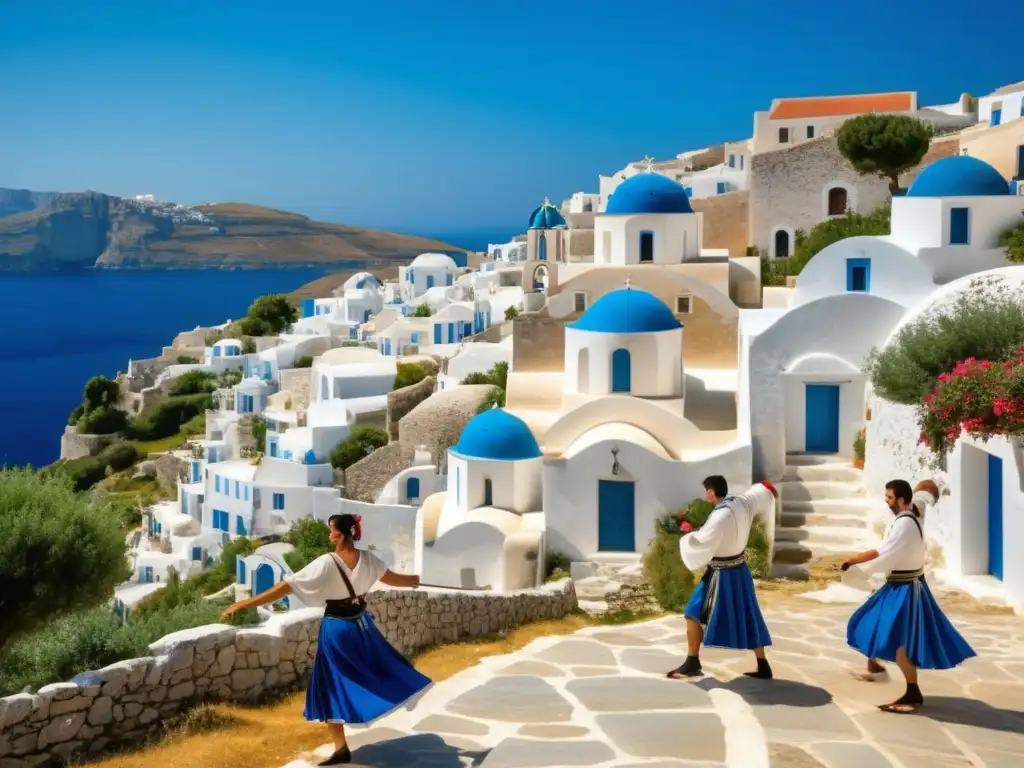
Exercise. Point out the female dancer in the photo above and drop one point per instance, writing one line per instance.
(357, 676)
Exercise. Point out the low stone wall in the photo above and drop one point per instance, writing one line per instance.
(402, 401)
(125, 703)
(74, 445)
(633, 598)
(365, 479)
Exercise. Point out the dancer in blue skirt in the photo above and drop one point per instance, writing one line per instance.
(901, 622)
(723, 610)
(357, 675)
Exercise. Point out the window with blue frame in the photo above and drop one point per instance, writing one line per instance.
(197, 553)
(732, 161)
(414, 338)
(216, 483)
(240, 526)
(720, 188)
(858, 275)
(959, 226)
(238, 490)
(412, 488)
(245, 489)
(221, 521)
(278, 501)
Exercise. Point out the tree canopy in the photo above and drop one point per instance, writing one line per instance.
(268, 316)
(311, 538)
(1013, 241)
(59, 550)
(358, 445)
(884, 145)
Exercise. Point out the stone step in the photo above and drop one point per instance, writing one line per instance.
(826, 535)
(836, 472)
(808, 459)
(806, 490)
(790, 519)
(800, 553)
(855, 507)
(789, 571)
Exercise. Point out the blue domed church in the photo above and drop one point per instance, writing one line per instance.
(545, 238)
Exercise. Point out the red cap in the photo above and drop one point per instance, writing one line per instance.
(771, 488)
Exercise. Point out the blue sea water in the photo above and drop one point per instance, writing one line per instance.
(58, 331)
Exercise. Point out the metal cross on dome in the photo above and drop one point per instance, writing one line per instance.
(627, 281)
(649, 162)
(546, 203)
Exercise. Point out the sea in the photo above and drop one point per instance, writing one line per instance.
(59, 330)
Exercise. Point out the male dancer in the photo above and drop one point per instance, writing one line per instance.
(723, 611)
(902, 622)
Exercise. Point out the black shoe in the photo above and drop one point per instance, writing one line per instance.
(340, 757)
(763, 672)
(689, 668)
(909, 702)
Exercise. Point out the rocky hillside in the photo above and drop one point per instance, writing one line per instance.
(48, 231)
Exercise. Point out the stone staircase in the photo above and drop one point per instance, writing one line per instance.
(595, 580)
(824, 513)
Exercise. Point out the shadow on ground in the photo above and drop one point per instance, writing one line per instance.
(419, 751)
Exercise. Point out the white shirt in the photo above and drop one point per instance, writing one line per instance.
(320, 580)
(903, 549)
(727, 529)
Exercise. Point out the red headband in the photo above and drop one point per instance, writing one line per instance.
(357, 529)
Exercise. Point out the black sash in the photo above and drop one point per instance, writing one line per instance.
(349, 608)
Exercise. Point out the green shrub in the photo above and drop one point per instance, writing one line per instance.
(186, 360)
(248, 345)
(194, 383)
(1013, 241)
(79, 642)
(268, 316)
(259, 432)
(102, 420)
(497, 377)
(306, 361)
(166, 418)
(986, 325)
(311, 538)
(194, 426)
(671, 581)
(350, 343)
(859, 444)
(494, 398)
(82, 473)
(59, 550)
(832, 230)
(557, 566)
(409, 374)
(759, 550)
(423, 310)
(228, 379)
(212, 337)
(358, 445)
(99, 391)
(511, 313)
(76, 413)
(774, 272)
(120, 456)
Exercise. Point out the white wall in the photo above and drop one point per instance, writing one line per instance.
(1010, 103)
(844, 326)
(389, 531)
(895, 274)
(923, 222)
(656, 362)
(677, 237)
(515, 486)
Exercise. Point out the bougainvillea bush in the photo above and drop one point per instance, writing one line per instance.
(979, 398)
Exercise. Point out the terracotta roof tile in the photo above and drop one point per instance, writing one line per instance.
(836, 106)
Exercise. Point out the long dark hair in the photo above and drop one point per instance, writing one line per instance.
(347, 525)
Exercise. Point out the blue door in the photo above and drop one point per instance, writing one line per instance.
(542, 248)
(451, 333)
(616, 516)
(241, 570)
(621, 371)
(822, 418)
(959, 226)
(412, 488)
(308, 307)
(430, 281)
(995, 516)
(488, 493)
(264, 579)
(997, 116)
(273, 449)
(437, 333)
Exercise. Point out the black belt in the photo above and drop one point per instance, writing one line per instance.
(724, 563)
(345, 609)
(904, 577)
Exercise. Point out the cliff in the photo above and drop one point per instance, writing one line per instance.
(48, 232)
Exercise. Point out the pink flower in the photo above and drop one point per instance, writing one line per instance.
(685, 527)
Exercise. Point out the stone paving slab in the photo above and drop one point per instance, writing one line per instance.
(600, 698)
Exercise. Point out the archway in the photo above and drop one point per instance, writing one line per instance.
(837, 201)
(621, 371)
(540, 279)
(782, 244)
(264, 579)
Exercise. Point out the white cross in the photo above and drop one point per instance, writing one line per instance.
(627, 281)
(649, 162)
(546, 203)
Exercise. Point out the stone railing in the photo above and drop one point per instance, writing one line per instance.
(123, 704)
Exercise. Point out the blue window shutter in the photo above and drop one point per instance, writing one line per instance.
(959, 226)
(858, 275)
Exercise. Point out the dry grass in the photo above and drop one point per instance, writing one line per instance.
(232, 736)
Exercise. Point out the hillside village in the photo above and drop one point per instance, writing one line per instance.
(518, 424)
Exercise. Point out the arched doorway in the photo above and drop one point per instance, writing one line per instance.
(837, 201)
(264, 579)
(621, 371)
(540, 279)
(782, 244)
(542, 247)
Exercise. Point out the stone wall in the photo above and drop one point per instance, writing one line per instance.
(637, 599)
(438, 421)
(402, 401)
(365, 479)
(121, 705)
(79, 446)
(295, 382)
(788, 187)
(726, 221)
(144, 372)
(538, 344)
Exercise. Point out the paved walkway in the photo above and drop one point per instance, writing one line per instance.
(600, 698)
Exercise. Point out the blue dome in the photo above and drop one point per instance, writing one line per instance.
(627, 311)
(649, 193)
(959, 176)
(497, 435)
(546, 217)
(368, 281)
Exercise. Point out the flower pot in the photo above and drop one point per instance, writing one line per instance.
(858, 463)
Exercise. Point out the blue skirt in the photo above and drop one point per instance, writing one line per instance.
(726, 605)
(357, 675)
(907, 616)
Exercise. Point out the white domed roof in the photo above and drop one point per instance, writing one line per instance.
(434, 260)
(362, 280)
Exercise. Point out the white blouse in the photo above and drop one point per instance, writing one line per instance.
(903, 549)
(320, 581)
(727, 529)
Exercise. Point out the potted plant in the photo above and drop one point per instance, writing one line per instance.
(858, 448)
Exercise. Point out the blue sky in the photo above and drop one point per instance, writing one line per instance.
(440, 115)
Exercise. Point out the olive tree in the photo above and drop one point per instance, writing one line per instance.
(884, 145)
(59, 550)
